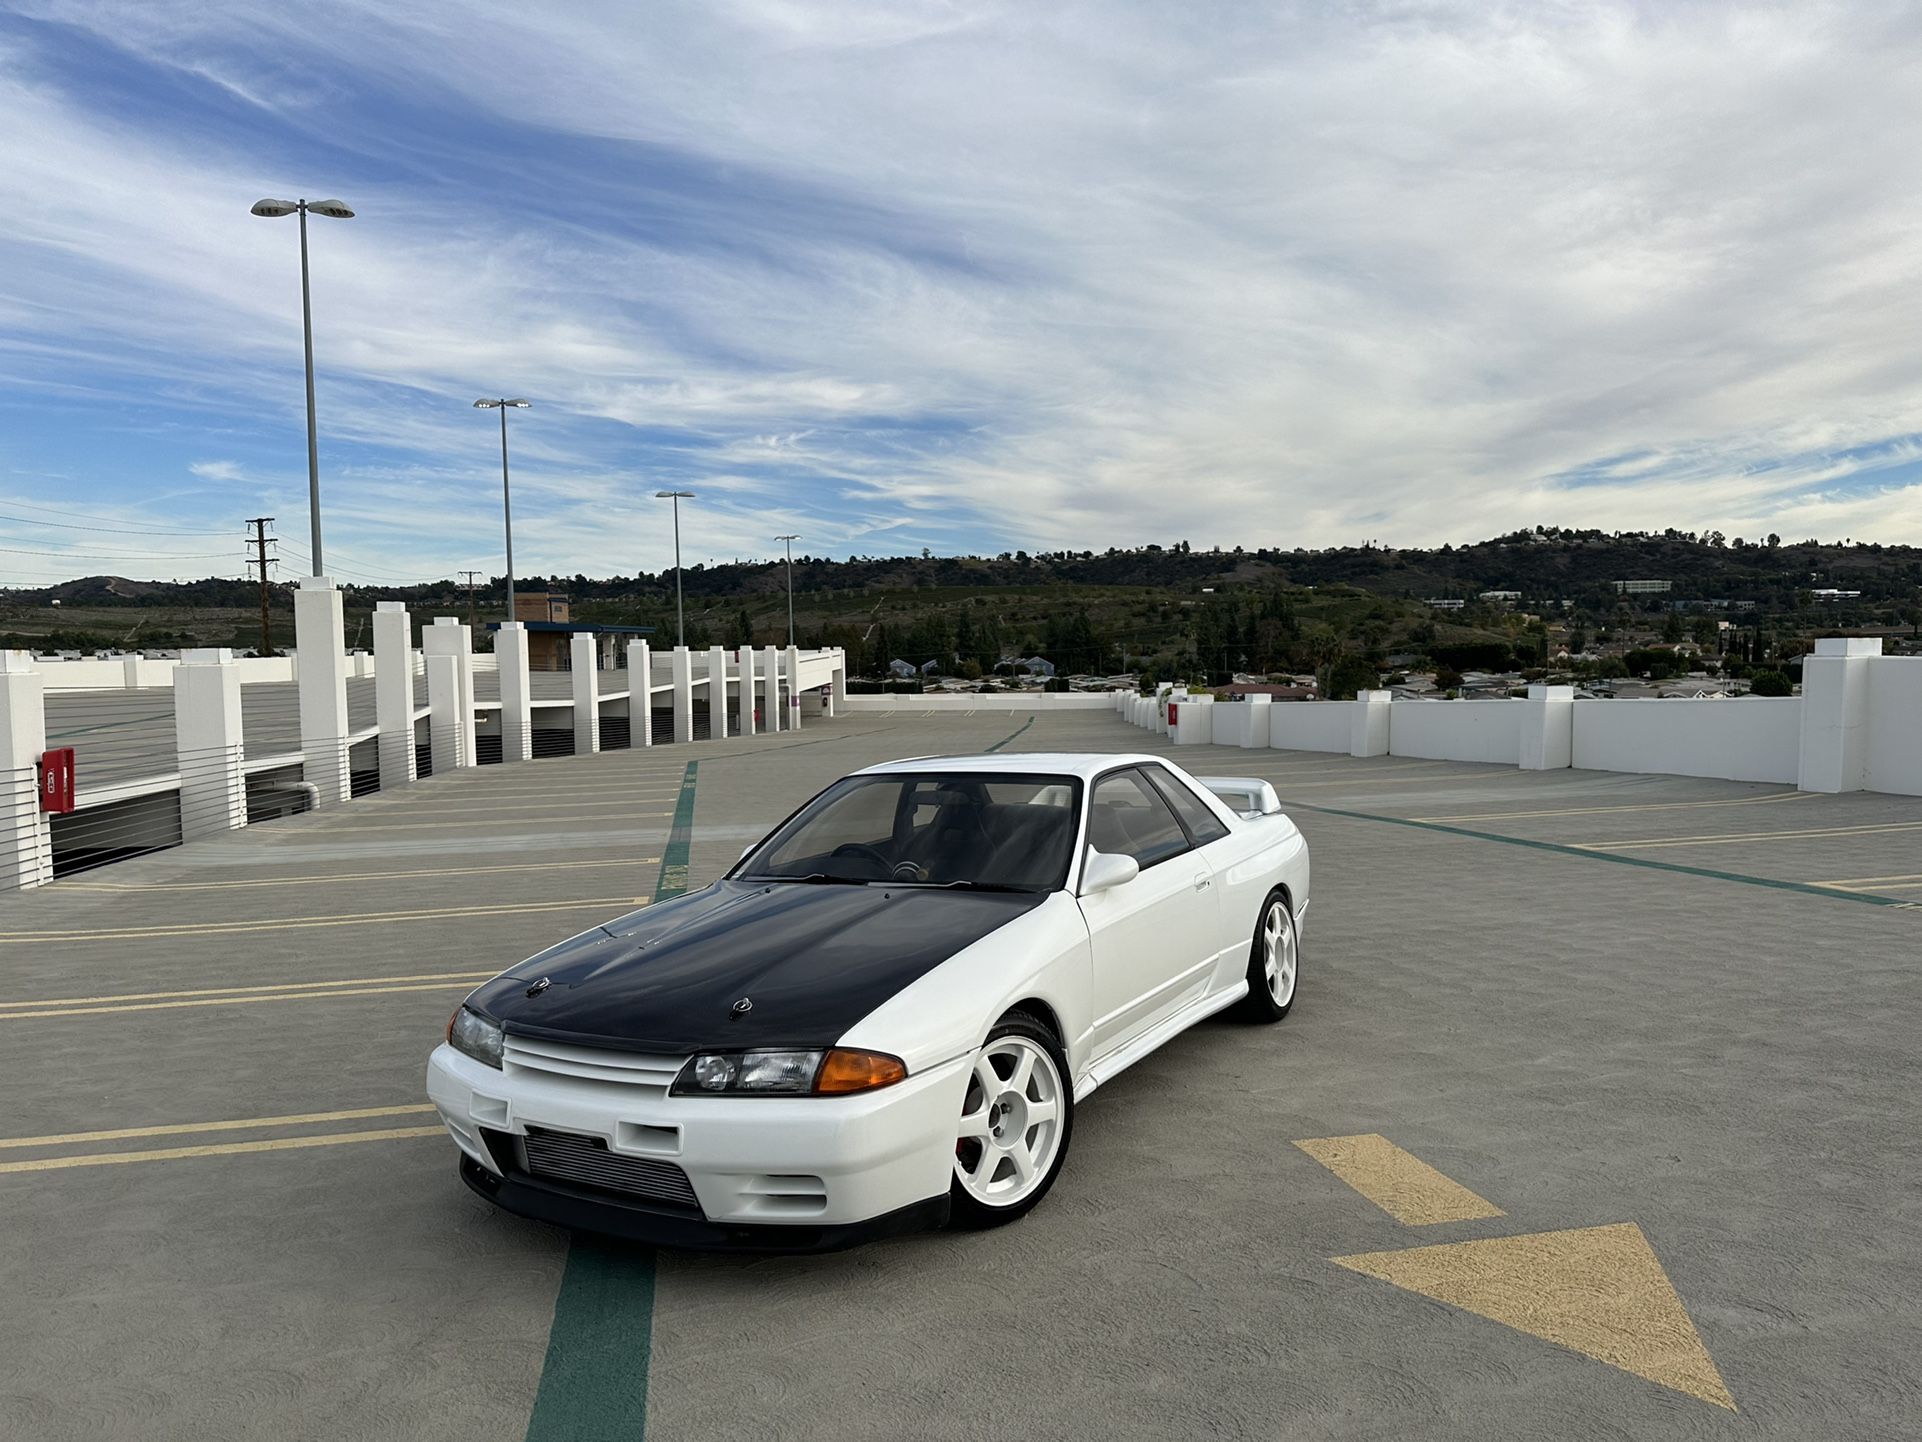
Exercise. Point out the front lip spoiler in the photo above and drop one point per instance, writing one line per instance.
(636, 1222)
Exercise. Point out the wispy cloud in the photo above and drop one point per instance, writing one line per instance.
(975, 276)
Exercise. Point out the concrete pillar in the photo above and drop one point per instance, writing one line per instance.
(716, 694)
(449, 637)
(744, 697)
(394, 692)
(838, 690)
(208, 743)
(1192, 721)
(1369, 729)
(773, 710)
(130, 671)
(323, 689)
(447, 738)
(793, 662)
(683, 677)
(1835, 714)
(583, 654)
(26, 842)
(1256, 733)
(517, 692)
(1548, 728)
(640, 694)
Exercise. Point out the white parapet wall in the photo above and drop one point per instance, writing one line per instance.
(990, 701)
(1895, 726)
(1755, 738)
(1310, 725)
(1456, 730)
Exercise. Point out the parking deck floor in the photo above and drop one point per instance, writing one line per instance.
(1660, 1035)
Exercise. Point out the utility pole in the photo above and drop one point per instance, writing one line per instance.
(473, 616)
(260, 542)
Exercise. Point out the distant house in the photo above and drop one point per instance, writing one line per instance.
(902, 670)
(1036, 666)
(1444, 603)
(1240, 689)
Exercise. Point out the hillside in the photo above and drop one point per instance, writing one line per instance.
(1171, 607)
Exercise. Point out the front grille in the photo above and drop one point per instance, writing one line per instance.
(586, 1162)
(585, 1063)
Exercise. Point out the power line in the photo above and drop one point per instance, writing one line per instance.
(116, 555)
(118, 530)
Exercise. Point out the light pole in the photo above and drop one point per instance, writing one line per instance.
(507, 505)
(680, 628)
(335, 210)
(790, 539)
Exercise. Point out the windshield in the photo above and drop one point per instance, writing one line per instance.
(931, 829)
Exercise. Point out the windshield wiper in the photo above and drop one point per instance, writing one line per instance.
(965, 885)
(817, 878)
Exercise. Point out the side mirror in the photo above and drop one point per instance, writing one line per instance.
(1105, 870)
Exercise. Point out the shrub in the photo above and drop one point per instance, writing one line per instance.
(1770, 683)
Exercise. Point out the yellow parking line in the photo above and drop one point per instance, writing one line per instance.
(1400, 1183)
(1876, 883)
(485, 806)
(1505, 774)
(218, 1149)
(175, 1129)
(231, 1000)
(295, 837)
(145, 886)
(1731, 838)
(1640, 806)
(370, 918)
(246, 990)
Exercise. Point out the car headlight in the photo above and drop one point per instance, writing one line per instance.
(472, 1034)
(835, 1072)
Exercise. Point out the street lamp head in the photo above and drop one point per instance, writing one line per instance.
(273, 209)
(674, 495)
(485, 405)
(517, 405)
(793, 537)
(333, 209)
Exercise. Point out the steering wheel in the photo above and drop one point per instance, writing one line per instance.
(866, 852)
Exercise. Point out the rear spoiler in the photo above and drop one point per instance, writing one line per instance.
(1247, 796)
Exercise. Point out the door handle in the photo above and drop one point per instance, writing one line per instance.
(1202, 882)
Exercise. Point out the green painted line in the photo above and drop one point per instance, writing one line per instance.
(594, 1381)
(680, 837)
(1006, 739)
(1807, 888)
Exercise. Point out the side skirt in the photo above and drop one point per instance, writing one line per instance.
(1107, 1068)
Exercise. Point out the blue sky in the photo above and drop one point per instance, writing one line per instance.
(964, 276)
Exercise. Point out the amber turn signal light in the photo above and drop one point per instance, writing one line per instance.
(857, 1071)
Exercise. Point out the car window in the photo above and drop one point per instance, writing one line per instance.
(928, 829)
(1126, 816)
(1202, 823)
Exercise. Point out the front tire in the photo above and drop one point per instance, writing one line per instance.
(1274, 963)
(1017, 1117)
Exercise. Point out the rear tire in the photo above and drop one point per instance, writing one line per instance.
(1017, 1117)
(1274, 963)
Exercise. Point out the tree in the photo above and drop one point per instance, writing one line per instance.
(742, 632)
(1348, 674)
(1770, 683)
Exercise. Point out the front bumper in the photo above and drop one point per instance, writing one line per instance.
(658, 1226)
(771, 1173)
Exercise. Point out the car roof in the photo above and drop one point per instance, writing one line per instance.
(1084, 764)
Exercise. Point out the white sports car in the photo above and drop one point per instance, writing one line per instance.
(884, 1016)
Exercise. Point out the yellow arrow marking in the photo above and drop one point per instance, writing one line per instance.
(1401, 1184)
(1599, 1291)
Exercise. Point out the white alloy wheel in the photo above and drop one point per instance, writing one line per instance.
(1280, 953)
(1011, 1123)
